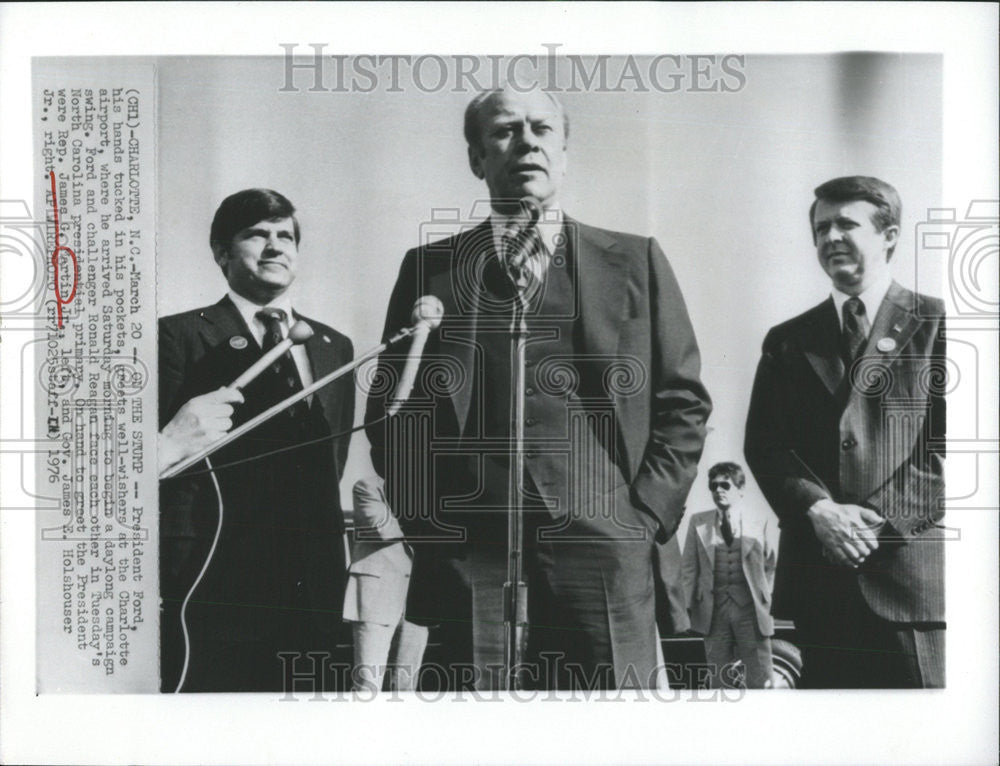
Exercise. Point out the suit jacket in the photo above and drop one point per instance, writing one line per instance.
(629, 307)
(379, 574)
(873, 438)
(283, 526)
(759, 553)
(668, 563)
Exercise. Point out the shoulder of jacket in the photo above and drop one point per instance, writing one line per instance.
(335, 336)
(703, 517)
(184, 318)
(928, 306)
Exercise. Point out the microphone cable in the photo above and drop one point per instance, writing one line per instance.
(280, 450)
(210, 470)
(197, 580)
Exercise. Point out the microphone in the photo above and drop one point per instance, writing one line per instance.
(427, 313)
(528, 215)
(300, 332)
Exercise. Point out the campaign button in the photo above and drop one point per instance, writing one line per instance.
(238, 342)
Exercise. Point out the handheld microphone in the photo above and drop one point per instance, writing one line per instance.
(299, 332)
(427, 313)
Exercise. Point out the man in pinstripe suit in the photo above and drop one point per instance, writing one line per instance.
(844, 436)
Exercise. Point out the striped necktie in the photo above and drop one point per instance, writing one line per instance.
(856, 329)
(522, 259)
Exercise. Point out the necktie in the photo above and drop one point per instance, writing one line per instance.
(285, 373)
(523, 258)
(727, 529)
(855, 329)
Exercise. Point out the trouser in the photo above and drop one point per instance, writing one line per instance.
(735, 636)
(855, 649)
(591, 613)
(296, 658)
(397, 648)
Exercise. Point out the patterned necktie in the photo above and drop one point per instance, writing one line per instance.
(522, 257)
(285, 373)
(727, 529)
(856, 329)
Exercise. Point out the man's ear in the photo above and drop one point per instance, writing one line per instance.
(221, 255)
(476, 163)
(891, 234)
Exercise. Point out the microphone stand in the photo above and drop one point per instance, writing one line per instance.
(283, 405)
(515, 590)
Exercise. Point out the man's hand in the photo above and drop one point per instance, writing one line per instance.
(848, 533)
(197, 424)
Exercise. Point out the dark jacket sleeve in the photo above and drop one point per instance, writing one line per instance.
(345, 408)
(381, 385)
(171, 369)
(679, 406)
(789, 485)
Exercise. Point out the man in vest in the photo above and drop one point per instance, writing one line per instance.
(728, 573)
(613, 418)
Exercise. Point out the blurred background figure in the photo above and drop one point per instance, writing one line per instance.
(377, 583)
(727, 572)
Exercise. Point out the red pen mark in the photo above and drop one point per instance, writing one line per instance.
(55, 257)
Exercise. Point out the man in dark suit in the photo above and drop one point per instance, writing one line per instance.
(614, 418)
(276, 572)
(844, 436)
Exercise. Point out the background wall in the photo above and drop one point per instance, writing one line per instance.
(723, 180)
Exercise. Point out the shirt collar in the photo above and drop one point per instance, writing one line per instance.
(549, 226)
(872, 298)
(248, 309)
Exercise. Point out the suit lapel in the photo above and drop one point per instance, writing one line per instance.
(322, 361)
(223, 321)
(707, 538)
(601, 271)
(895, 321)
(319, 349)
(820, 339)
(751, 532)
(459, 288)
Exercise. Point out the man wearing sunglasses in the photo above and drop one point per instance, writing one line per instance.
(727, 572)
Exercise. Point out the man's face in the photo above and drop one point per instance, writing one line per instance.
(725, 493)
(259, 261)
(850, 249)
(523, 150)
